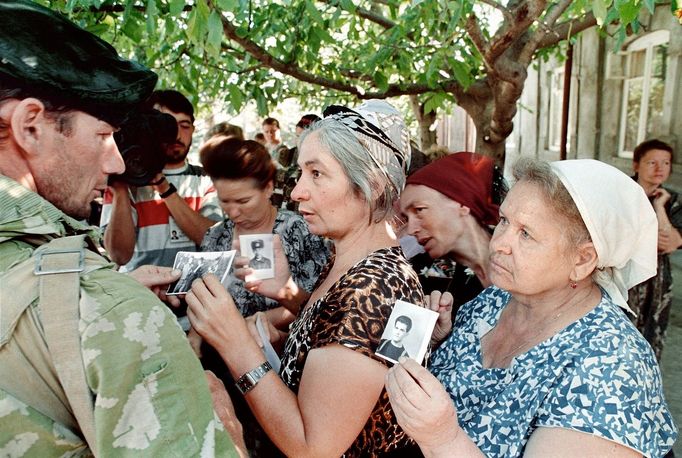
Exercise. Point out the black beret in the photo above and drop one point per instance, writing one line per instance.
(50, 57)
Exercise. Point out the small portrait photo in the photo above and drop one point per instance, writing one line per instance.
(195, 265)
(259, 249)
(175, 234)
(407, 333)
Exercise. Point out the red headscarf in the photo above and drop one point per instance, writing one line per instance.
(466, 178)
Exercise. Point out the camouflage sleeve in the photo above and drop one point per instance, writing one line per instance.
(151, 395)
(25, 432)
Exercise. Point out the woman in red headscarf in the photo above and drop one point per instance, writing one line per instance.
(451, 207)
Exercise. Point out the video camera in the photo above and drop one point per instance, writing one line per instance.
(142, 141)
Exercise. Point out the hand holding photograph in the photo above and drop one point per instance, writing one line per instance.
(195, 265)
(260, 251)
(407, 333)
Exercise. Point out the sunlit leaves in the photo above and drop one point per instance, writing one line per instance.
(416, 42)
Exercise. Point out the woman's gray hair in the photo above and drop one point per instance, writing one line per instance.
(540, 174)
(365, 176)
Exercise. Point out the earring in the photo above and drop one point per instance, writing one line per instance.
(572, 284)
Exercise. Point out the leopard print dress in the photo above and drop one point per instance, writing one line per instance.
(353, 313)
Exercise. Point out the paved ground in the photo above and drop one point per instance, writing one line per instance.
(671, 366)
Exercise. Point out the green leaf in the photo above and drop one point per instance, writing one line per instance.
(650, 5)
(97, 29)
(313, 12)
(599, 9)
(184, 81)
(461, 71)
(381, 81)
(215, 34)
(176, 7)
(197, 26)
(261, 102)
(236, 97)
(628, 11)
(228, 5)
(348, 5)
(202, 8)
(242, 31)
(152, 13)
(433, 103)
(620, 39)
(132, 30)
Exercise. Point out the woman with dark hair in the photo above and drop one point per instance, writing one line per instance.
(452, 206)
(243, 172)
(651, 300)
(328, 399)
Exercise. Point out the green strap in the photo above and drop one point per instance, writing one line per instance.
(52, 275)
(59, 267)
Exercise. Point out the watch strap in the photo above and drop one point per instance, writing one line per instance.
(171, 190)
(248, 381)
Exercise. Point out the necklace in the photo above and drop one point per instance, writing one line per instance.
(546, 326)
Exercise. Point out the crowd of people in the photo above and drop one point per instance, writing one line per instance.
(549, 331)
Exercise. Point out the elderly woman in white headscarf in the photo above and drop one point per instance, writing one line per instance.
(329, 398)
(546, 362)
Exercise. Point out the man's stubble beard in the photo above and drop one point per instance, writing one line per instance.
(173, 157)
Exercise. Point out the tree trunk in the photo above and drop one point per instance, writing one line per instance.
(481, 109)
(427, 137)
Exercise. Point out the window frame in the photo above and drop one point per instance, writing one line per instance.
(647, 43)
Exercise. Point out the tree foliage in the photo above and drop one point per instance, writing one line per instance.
(438, 52)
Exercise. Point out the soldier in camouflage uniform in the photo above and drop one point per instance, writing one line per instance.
(62, 91)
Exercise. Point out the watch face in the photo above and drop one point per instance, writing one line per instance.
(247, 381)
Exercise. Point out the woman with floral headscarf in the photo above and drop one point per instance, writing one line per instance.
(546, 362)
(329, 398)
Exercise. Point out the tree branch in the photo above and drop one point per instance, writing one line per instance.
(293, 70)
(545, 28)
(506, 12)
(474, 31)
(566, 29)
(524, 15)
(366, 14)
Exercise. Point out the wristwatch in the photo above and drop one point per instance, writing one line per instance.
(171, 190)
(246, 382)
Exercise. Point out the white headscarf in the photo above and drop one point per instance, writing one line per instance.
(620, 220)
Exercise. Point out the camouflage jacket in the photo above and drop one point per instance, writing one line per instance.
(150, 394)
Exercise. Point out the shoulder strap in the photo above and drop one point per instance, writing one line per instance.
(58, 266)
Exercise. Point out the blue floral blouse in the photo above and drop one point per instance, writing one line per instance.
(598, 376)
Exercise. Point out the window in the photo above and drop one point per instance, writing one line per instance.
(643, 87)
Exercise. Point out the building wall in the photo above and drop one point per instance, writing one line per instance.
(595, 103)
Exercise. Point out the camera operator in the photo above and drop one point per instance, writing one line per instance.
(150, 223)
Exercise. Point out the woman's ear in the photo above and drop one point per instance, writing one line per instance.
(29, 124)
(586, 261)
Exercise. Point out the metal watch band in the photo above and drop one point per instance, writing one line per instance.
(247, 381)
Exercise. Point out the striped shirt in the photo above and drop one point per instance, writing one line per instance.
(158, 237)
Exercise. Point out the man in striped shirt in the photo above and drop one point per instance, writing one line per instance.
(150, 224)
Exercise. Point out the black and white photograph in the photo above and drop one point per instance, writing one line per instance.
(195, 265)
(407, 332)
(258, 248)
